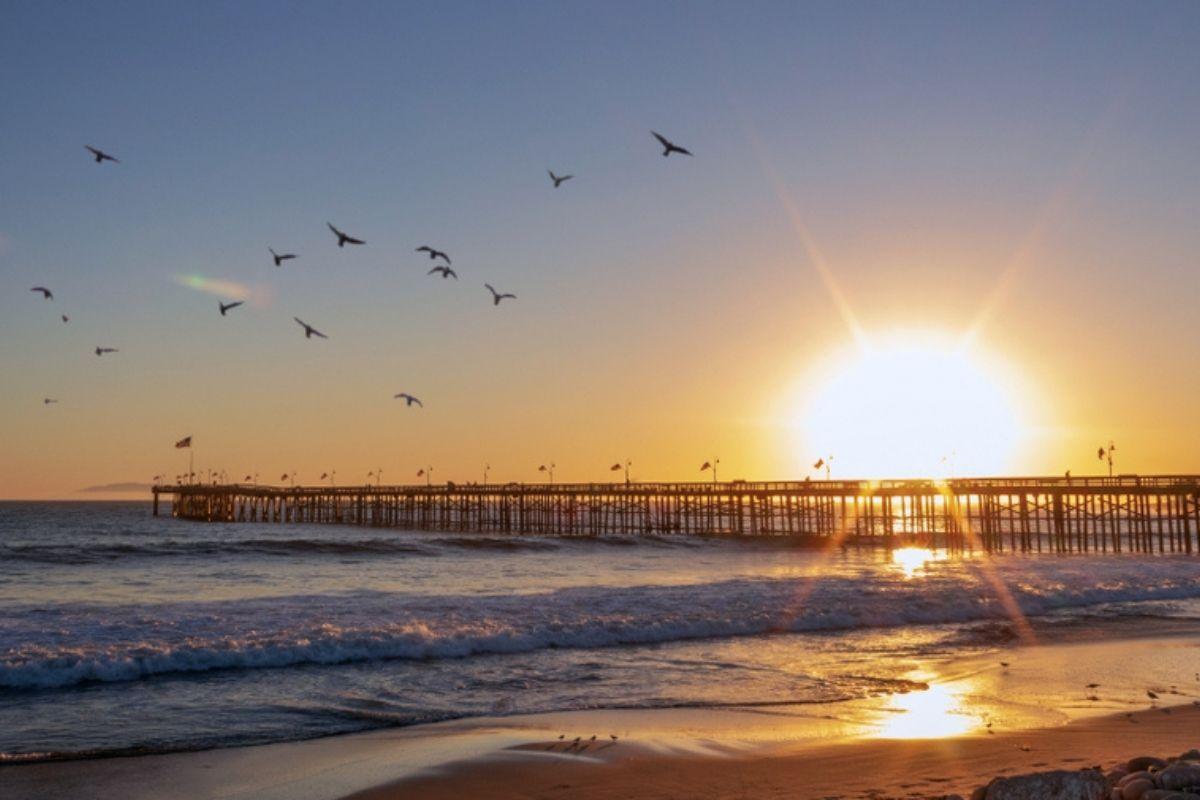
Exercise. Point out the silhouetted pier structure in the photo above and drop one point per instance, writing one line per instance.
(1140, 514)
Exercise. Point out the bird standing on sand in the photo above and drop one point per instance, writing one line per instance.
(226, 306)
(558, 179)
(102, 350)
(445, 272)
(408, 399)
(343, 239)
(496, 296)
(101, 156)
(433, 254)
(282, 257)
(613, 736)
(669, 146)
(46, 293)
(309, 330)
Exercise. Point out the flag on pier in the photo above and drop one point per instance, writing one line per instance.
(705, 465)
(615, 468)
(184, 442)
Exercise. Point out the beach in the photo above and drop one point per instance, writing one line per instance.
(887, 746)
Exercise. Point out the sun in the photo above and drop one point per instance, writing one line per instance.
(909, 405)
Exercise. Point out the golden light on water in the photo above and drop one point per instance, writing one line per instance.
(913, 559)
(934, 713)
(912, 405)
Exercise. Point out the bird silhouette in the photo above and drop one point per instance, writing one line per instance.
(670, 147)
(101, 156)
(343, 239)
(408, 399)
(1151, 695)
(226, 306)
(433, 253)
(558, 179)
(48, 400)
(46, 293)
(309, 330)
(496, 296)
(445, 272)
(282, 257)
(102, 350)
(65, 318)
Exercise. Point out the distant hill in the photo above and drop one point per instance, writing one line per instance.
(117, 487)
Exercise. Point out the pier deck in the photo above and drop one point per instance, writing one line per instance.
(1141, 514)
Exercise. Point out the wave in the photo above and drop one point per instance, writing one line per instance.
(69, 644)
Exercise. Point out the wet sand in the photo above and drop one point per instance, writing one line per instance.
(915, 768)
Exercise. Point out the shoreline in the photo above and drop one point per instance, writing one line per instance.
(982, 713)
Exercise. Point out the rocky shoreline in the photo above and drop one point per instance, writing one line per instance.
(1139, 778)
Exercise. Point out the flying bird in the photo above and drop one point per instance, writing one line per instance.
(226, 306)
(48, 400)
(282, 257)
(433, 253)
(309, 330)
(670, 147)
(343, 239)
(558, 179)
(46, 293)
(408, 399)
(65, 318)
(496, 296)
(445, 272)
(101, 156)
(102, 350)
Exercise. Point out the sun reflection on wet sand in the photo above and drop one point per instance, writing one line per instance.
(933, 713)
(912, 559)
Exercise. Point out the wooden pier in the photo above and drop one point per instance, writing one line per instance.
(1139, 514)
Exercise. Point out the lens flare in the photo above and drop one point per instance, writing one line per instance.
(227, 290)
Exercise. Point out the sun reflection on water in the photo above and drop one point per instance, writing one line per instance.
(934, 713)
(912, 559)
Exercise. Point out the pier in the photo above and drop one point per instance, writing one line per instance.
(1137, 514)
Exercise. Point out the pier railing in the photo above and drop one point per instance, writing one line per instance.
(1125, 513)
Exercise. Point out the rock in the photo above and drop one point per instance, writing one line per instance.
(1136, 789)
(1167, 794)
(1086, 784)
(1179, 776)
(1135, 776)
(1144, 763)
(1190, 755)
(979, 794)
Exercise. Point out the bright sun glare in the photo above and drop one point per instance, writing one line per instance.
(911, 406)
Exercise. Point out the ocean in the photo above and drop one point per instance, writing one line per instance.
(121, 632)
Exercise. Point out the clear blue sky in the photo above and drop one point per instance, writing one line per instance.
(927, 145)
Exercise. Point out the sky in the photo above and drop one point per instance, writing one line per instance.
(1002, 195)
